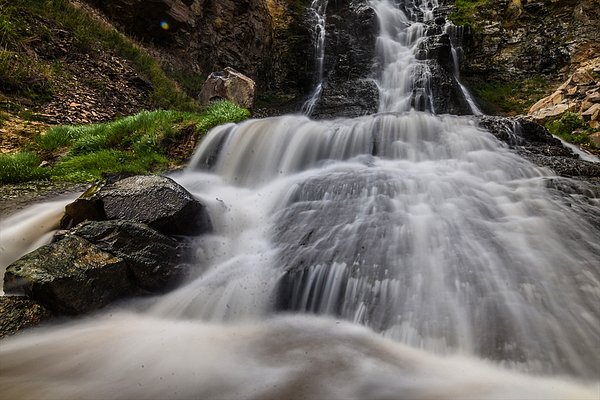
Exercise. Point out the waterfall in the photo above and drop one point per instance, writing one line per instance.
(456, 34)
(318, 9)
(433, 261)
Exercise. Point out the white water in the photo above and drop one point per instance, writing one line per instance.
(424, 228)
(318, 11)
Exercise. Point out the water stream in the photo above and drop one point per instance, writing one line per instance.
(318, 10)
(436, 262)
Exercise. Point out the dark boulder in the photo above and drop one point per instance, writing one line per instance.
(153, 200)
(153, 260)
(19, 312)
(71, 276)
(96, 263)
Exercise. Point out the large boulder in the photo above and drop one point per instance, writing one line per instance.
(153, 260)
(96, 263)
(153, 200)
(71, 276)
(229, 85)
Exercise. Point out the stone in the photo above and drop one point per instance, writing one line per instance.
(154, 261)
(71, 276)
(229, 85)
(153, 200)
(592, 113)
(96, 263)
(19, 312)
(348, 88)
(550, 112)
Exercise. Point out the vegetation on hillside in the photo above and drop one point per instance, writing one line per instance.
(509, 98)
(572, 128)
(463, 14)
(145, 142)
(27, 26)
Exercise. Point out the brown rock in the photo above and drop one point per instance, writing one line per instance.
(229, 85)
(592, 113)
(18, 313)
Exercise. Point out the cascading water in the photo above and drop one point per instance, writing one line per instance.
(424, 228)
(456, 34)
(318, 10)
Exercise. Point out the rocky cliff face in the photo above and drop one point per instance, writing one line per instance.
(513, 39)
(349, 60)
(201, 35)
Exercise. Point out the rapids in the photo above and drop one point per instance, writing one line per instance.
(437, 261)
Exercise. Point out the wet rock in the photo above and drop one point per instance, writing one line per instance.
(348, 88)
(229, 85)
(18, 313)
(96, 263)
(153, 200)
(71, 276)
(535, 143)
(154, 261)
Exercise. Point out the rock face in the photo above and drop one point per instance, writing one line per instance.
(153, 200)
(513, 40)
(579, 94)
(349, 89)
(229, 85)
(201, 35)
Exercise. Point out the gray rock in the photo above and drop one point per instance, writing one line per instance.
(153, 200)
(153, 260)
(96, 263)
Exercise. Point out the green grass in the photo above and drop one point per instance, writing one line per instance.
(572, 128)
(463, 14)
(136, 144)
(21, 167)
(508, 98)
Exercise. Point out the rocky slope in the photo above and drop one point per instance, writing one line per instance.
(527, 48)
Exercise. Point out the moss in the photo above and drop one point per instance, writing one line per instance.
(508, 98)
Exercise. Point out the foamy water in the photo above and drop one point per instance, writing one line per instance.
(438, 264)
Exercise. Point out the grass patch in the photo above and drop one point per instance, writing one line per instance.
(137, 144)
(508, 98)
(572, 128)
(463, 14)
(21, 167)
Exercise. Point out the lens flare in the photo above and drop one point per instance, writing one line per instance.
(164, 25)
